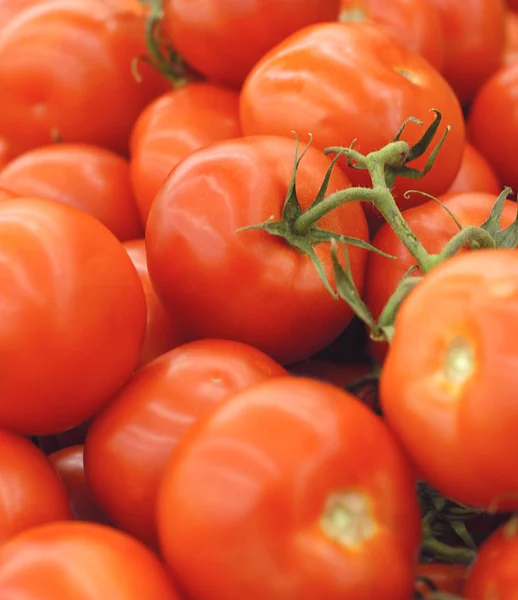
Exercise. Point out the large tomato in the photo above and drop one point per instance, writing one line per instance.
(449, 379)
(72, 314)
(32, 493)
(66, 70)
(81, 561)
(223, 39)
(475, 174)
(249, 286)
(309, 84)
(90, 178)
(130, 441)
(292, 489)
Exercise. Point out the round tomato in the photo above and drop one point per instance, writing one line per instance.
(434, 228)
(415, 23)
(66, 71)
(72, 314)
(269, 477)
(443, 577)
(90, 178)
(83, 561)
(223, 39)
(32, 493)
(172, 127)
(130, 441)
(248, 286)
(443, 385)
(365, 93)
(475, 174)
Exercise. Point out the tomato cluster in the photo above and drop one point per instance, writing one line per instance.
(259, 299)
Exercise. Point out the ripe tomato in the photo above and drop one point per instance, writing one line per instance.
(223, 39)
(83, 561)
(475, 174)
(339, 374)
(90, 178)
(130, 441)
(511, 38)
(443, 387)
(172, 127)
(248, 286)
(434, 228)
(268, 476)
(415, 23)
(72, 314)
(32, 493)
(364, 93)
(163, 331)
(445, 577)
(55, 57)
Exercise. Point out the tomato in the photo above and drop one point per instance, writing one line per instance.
(66, 70)
(32, 493)
(6, 155)
(268, 476)
(68, 463)
(475, 174)
(248, 286)
(172, 127)
(445, 577)
(443, 386)
(511, 38)
(364, 93)
(415, 23)
(72, 314)
(90, 178)
(163, 331)
(130, 441)
(494, 575)
(474, 37)
(434, 228)
(339, 374)
(83, 561)
(6, 194)
(223, 39)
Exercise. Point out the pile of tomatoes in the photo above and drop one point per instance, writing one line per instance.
(258, 300)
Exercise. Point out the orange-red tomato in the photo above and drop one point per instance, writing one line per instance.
(475, 174)
(72, 314)
(172, 127)
(163, 331)
(90, 178)
(443, 386)
(415, 23)
(130, 441)
(262, 497)
(445, 577)
(81, 561)
(511, 38)
(32, 493)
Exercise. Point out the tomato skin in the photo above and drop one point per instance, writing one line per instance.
(223, 39)
(434, 228)
(89, 178)
(415, 23)
(73, 316)
(172, 127)
(32, 493)
(248, 286)
(255, 477)
(448, 391)
(84, 561)
(475, 174)
(446, 577)
(55, 57)
(511, 38)
(130, 441)
(7, 194)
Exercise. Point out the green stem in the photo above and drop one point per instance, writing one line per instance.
(467, 235)
(441, 551)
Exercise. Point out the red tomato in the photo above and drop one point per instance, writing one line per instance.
(163, 331)
(511, 38)
(446, 578)
(364, 93)
(6, 154)
(475, 174)
(434, 228)
(223, 39)
(6, 194)
(415, 23)
(130, 441)
(336, 373)
(248, 286)
(32, 493)
(90, 178)
(68, 463)
(174, 126)
(262, 497)
(443, 386)
(72, 314)
(66, 70)
(83, 561)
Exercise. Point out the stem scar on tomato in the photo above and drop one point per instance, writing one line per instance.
(459, 361)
